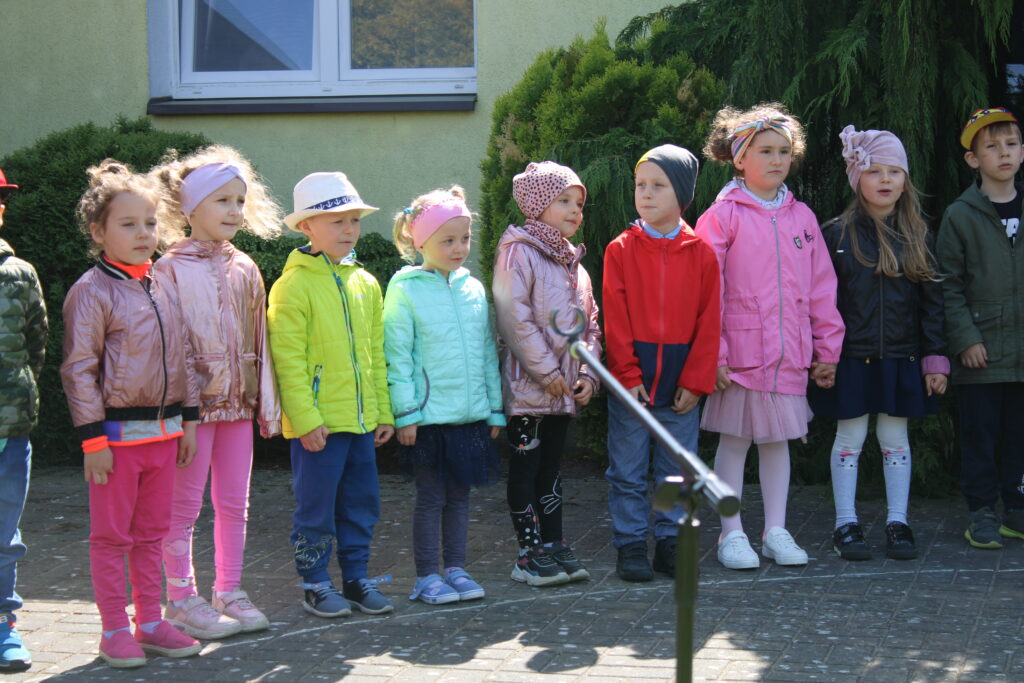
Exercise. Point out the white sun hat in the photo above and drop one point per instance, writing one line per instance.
(325, 192)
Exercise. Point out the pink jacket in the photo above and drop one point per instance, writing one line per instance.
(223, 300)
(778, 291)
(528, 284)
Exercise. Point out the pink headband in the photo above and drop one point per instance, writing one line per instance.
(200, 183)
(866, 147)
(434, 216)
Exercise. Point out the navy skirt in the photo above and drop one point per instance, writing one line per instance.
(462, 455)
(894, 386)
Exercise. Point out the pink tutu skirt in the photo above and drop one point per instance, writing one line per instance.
(762, 416)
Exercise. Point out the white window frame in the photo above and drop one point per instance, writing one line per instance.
(170, 74)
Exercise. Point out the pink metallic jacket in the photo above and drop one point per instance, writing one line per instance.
(223, 300)
(528, 284)
(778, 291)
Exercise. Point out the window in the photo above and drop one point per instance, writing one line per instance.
(305, 51)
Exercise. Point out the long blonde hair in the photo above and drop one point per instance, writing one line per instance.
(108, 179)
(908, 229)
(404, 218)
(262, 213)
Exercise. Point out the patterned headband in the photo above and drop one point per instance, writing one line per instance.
(743, 135)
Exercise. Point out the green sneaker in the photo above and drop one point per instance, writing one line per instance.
(1013, 524)
(983, 530)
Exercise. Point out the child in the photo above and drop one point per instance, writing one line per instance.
(779, 318)
(892, 363)
(215, 192)
(327, 339)
(537, 271)
(22, 346)
(978, 249)
(445, 385)
(661, 301)
(128, 378)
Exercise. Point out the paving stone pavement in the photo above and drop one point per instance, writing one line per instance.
(955, 614)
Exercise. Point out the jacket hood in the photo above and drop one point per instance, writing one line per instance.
(417, 272)
(733, 192)
(199, 248)
(517, 234)
(5, 251)
(303, 257)
(685, 238)
(973, 197)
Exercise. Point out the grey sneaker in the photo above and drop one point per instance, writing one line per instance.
(365, 597)
(1013, 524)
(983, 529)
(324, 600)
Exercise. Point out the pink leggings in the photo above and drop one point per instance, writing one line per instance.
(225, 452)
(128, 516)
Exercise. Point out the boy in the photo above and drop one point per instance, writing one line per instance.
(22, 345)
(327, 341)
(979, 247)
(661, 311)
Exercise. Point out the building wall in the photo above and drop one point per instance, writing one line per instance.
(71, 61)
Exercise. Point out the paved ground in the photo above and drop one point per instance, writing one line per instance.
(955, 614)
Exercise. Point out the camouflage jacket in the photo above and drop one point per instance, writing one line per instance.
(22, 343)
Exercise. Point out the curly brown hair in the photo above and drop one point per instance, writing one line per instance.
(403, 220)
(262, 213)
(719, 144)
(108, 179)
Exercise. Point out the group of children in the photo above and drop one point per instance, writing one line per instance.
(166, 365)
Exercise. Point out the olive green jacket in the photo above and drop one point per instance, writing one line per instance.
(22, 343)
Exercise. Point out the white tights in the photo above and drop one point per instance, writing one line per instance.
(774, 470)
(892, 438)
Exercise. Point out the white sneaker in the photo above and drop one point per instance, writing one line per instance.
(778, 545)
(734, 552)
(198, 619)
(236, 604)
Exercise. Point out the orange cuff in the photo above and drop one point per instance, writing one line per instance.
(95, 444)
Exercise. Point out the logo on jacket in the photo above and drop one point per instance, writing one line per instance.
(799, 244)
(808, 237)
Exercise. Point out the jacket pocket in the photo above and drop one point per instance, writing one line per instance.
(988, 318)
(743, 335)
(250, 379)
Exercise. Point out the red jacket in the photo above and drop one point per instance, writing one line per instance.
(661, 312)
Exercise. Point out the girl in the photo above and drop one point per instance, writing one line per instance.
(891, 303)
(779, 318)
(445, 386)
(216, 193)
(129, 391)
(536, 271)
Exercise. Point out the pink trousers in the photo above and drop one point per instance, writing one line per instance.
(128, 516)
(224, 453)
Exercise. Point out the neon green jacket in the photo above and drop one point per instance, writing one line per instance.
(327, 340)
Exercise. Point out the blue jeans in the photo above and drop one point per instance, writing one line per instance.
(337, 496)
(15, 466)
(629, 461)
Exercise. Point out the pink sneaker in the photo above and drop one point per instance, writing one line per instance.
(198, 619)
(167, 641)
(121, 651)
(237, 605)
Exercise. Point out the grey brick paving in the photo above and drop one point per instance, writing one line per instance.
(952, 615)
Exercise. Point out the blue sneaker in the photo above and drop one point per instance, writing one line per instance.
(464, 585)
(324, 600)
(13, 655)
(365, 597)
(434, 590)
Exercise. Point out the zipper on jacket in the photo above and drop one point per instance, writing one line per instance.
(225, 293)
(351, 342)
(881, 317)
(163, 346)
(462, 337)
(782, 319)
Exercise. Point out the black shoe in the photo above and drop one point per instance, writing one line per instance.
(848, 542)
(665, 556)
(562, 552)
(899, 541)
(1013, 524)
(632, 564)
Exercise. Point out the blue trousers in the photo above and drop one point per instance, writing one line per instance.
(629, 461)
(337, 497)
(440, 518)
(15, 465)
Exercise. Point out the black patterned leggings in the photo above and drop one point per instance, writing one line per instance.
(534, 477)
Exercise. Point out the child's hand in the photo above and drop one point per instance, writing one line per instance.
(187, 444)
(685, 401)
(974, 356)
(315, 440)
(935, 383)
(723, 381)
(640, 394)
(824, 374)
(98, 465)
(383, 433)
(495, 431)
(407, 435)
(557, 388)
(583, 391)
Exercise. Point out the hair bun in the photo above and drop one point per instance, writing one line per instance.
(107, 166)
